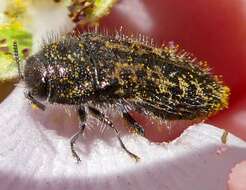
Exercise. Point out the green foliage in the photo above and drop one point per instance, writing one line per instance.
(8, 34)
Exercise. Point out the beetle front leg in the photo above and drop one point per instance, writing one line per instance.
(29, 96)
(82, 117)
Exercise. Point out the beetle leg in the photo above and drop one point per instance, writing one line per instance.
(104, 119)
(34, 101)
(82, 117)
(131, 121)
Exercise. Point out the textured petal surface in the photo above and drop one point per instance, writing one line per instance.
(35, 154)
(237, 177)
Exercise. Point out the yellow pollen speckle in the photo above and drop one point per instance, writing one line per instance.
(34, 106)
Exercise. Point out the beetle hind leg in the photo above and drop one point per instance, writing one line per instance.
(133, 124)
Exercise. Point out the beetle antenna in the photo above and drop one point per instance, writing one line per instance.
(17, 58)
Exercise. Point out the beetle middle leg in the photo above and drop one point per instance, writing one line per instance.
(104, 119)
(82, 117)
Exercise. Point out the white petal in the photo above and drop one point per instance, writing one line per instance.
(35, 155)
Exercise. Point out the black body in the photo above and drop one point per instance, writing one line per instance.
(93, 69)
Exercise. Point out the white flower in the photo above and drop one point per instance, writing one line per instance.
(35, 150)
(35, 155)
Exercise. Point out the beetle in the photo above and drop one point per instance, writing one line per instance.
(94, 69)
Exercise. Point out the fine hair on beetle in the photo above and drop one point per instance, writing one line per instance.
(95, 69)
